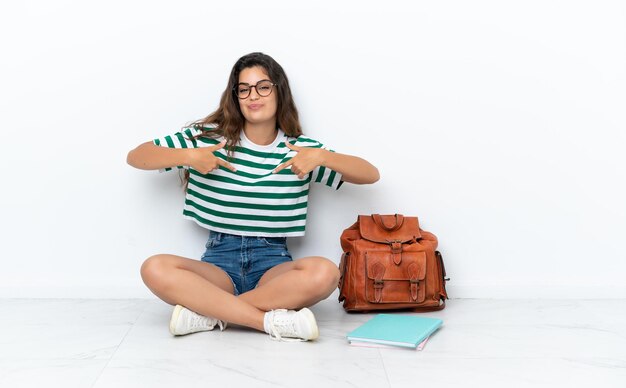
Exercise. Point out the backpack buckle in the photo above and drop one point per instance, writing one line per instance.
(396, 246)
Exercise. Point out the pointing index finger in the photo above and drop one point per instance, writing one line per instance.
(292, 147)
(218, 146)
(226, 164)
(282, 166)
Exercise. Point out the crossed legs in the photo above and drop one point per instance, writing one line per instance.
(207, 290)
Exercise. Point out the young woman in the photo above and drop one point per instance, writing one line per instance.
(248, 170)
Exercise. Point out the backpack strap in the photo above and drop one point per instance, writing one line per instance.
(378, 271)
(414, 283)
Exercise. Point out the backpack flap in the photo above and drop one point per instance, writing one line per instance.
(388, 282)
(386, 229)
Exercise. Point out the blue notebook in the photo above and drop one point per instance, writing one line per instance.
(397, 330)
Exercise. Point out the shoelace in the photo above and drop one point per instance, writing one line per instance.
(197, 321)
(285, 324)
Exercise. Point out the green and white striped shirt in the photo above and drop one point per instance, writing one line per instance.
(251, 201)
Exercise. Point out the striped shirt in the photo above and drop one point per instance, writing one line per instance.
(250, 201)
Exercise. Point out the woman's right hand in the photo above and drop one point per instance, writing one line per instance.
(204, 161)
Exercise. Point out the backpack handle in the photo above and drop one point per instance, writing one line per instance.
(378, 220)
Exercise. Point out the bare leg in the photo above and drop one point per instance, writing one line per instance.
(201, 287)
(295, 284)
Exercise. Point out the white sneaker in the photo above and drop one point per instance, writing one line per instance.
(185, 321)
(297, 325)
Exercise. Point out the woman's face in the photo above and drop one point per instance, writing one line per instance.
(256, 108)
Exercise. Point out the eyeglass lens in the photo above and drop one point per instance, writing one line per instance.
(263, 88)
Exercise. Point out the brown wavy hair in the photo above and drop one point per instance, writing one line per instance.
(228, 121)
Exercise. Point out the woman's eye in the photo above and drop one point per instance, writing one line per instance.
(243, 90)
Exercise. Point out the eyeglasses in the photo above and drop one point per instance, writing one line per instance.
(263, 88)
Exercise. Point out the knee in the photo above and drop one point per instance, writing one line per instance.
(324, 276)
(153, 271)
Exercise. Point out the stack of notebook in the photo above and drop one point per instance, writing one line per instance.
(390, 330)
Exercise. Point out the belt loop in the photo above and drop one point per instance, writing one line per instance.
(217, 236)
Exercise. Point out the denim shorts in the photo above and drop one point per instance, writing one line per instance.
(245, 259)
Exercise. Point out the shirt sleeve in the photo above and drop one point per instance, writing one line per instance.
(182, 139)
(321, 174)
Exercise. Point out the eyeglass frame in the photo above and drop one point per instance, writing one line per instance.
(255, 89)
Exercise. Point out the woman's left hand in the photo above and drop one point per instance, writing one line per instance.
(304, 161)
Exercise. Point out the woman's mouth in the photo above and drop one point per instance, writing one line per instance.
(255, 106)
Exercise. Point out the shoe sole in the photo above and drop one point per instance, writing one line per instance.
(312, 322)
(174, 318)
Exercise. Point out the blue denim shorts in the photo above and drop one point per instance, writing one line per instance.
(245, 259)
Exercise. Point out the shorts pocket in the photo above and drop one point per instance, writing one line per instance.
(213, 241)
(274, 241)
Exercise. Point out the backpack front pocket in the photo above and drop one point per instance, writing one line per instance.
(389, 281)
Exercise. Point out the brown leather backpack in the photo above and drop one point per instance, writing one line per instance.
(390, 263)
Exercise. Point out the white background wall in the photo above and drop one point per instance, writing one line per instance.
(500, 124)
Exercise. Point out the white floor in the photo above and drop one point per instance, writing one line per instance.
(486, 343)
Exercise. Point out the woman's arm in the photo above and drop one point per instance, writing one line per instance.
(148, 156)
(352, 168)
